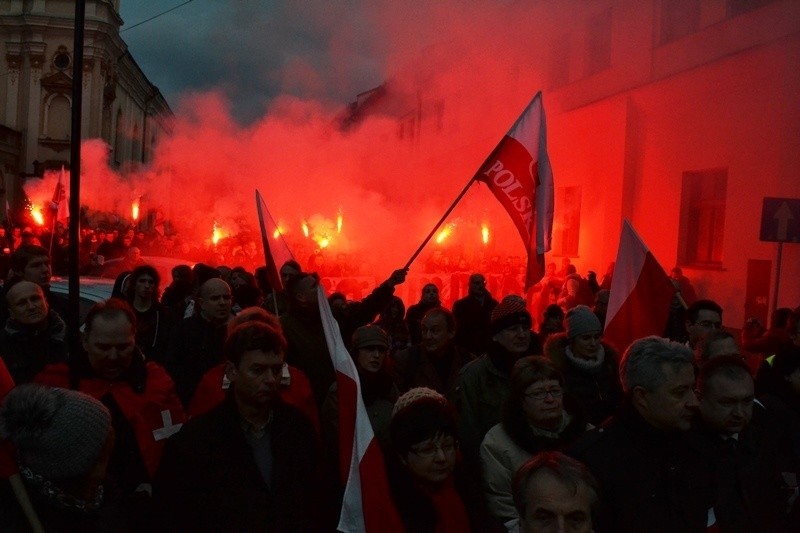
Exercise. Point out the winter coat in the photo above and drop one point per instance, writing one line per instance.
(501, 456)
(752, 493)
(195, 346)
(473, 332)
(414, 367)
(209, 479)
(27, 349)
(598, 392)
(481, 393)
(145, 411)
(650, 480)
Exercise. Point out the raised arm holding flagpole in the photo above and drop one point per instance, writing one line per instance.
(519, 174)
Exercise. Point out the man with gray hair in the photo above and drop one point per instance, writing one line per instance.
(554, 492)
(652, 472)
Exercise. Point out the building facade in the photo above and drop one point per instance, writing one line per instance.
(120, 105)
(681, 116)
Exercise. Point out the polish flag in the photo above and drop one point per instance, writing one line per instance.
(60, 204)
(276, 251)
(519, 174)
(367, 504)
(641, 293)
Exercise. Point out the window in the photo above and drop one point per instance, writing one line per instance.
(702, 222)
(740, 7)
(567, 223)
(679, 18)
(59, 118)
(118, 138)
(560, 60)
(598, 45)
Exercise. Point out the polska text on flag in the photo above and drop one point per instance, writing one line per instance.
(519, 174)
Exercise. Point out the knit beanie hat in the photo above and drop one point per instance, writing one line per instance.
(509, 312)
(58, 433)
(367, 336)
(415, 395)
(580, 320)
(418, 415)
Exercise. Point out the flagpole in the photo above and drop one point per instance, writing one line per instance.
(438, 224)
(75, 193)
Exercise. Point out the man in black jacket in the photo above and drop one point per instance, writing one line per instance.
(653, 473)
(196, 342)
(34, 335)
(250, 464)
(749, 444)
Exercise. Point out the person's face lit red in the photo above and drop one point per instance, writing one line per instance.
(257, 378)
(110, 345)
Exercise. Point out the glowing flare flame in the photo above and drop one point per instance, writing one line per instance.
(36, 213)
(485, 233)
(216, 234)
(135, 210)
(277, 233)
(323, 242)
(339, 219)
(443, 235)
(305, 228)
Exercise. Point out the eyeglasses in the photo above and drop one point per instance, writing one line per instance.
(709, 324)
(542, 394)
(429, 451)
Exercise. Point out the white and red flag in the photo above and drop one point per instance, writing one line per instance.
(641, 293)
(60, 204)
(519, 174)
(276, 251)
(367, 505)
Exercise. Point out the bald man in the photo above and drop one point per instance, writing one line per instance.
(33, 335)
(196, 342)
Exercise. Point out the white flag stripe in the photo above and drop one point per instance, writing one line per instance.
(352, 514)
(626, 273)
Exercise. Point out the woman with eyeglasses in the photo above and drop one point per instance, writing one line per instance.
(429, 487)
(534, 420)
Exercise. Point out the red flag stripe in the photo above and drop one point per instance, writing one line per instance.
(641, 293)
(367, 504)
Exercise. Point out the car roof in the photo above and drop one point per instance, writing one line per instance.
(91, 288)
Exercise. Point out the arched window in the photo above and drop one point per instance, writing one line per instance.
(58, 117)
(119, 136)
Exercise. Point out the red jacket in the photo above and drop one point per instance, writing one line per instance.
(154, 415)
(295, 391)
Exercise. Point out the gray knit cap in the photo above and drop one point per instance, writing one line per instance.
(581, 320)
(58, 433)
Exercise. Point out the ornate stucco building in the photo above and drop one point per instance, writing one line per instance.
(120, 105)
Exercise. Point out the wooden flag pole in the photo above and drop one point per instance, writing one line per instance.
(438, 224)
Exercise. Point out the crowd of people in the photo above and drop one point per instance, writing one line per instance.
(210, 403)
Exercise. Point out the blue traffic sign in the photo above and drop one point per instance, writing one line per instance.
(780, 220)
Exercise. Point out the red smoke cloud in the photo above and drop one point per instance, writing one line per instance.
(458, 76)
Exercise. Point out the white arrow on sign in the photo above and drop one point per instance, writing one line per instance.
(783, 215)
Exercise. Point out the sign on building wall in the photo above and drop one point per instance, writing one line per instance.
(780, 220)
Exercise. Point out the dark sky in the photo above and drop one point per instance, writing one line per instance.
(253, 51)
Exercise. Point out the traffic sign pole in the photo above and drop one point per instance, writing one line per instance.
(777, 277)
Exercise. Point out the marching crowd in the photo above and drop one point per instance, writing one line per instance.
(212, 405)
